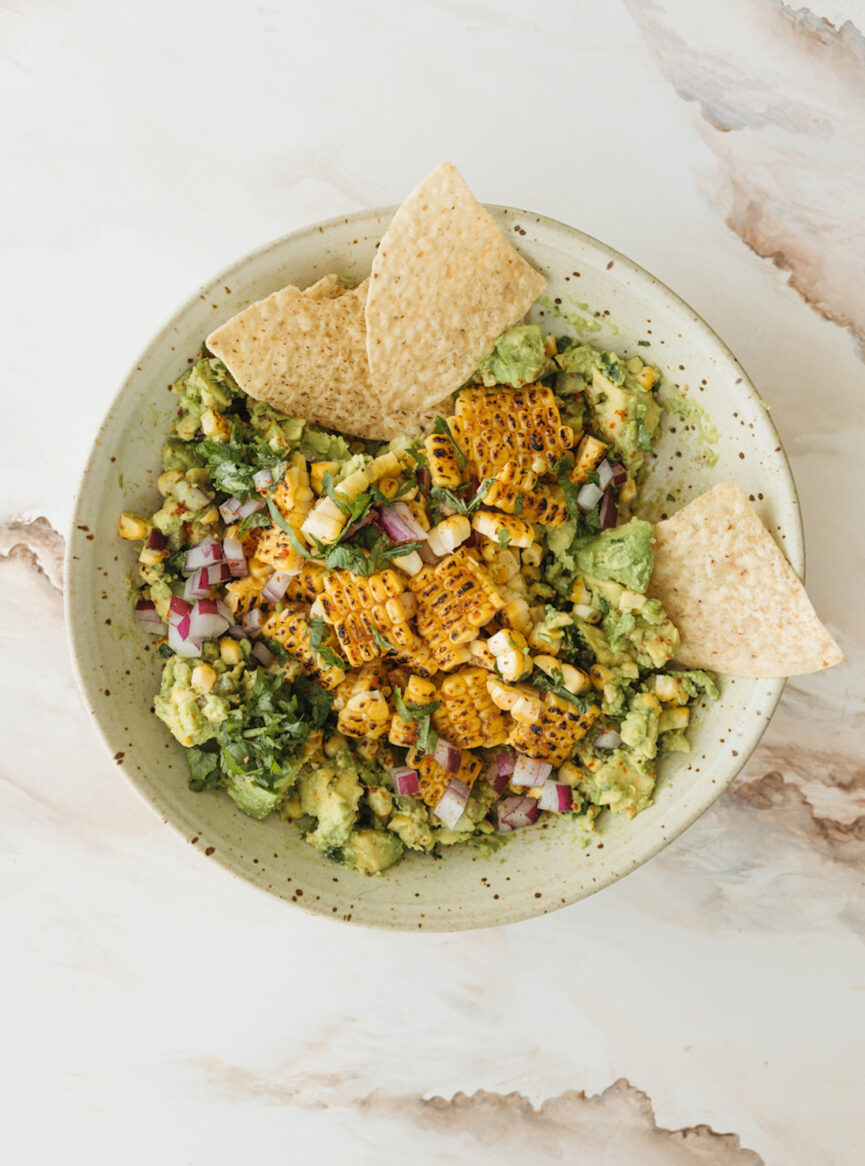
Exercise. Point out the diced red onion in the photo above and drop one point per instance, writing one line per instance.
(206, 620)
(156, 540)
(218, 573)
(148, 617)
(605, 474)
(230, 509)
(423, 477)
(451, 805)
(177, 609)
(589, 496)
(515, 813)
(252, 620)
(505, 762)
(609, 511)
(499, 770)
(263, 655)
(499, 781)
(198, 585)
(180, 641)
(556, 797)
(399, 526)
(473, 539)
(251, 506)
(275, 587)
(263, 479)
(203, 554)
(620, 474)
(449, 757)
(530, 773)
(236, 632)
(405, 781)
(232, 550)
(418, 533)
(608, 739)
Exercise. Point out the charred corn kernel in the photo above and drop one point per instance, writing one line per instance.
(366, 714)
(647, 377)
(203, 678)
(580, 593)
(481, 654)
(517, 615)
(533, 554)
(165, 481)
(276, 549)
(443, 465)
(631, 601)
(585, 612)
(554, 731)
(215, 425)
(544, 639)
(512, 654)
(417, 510)
(590, 452)
(454, 598)
(242, 595)
(324, 522)
(498, 426)
(210, 515)
(417, 692)
(317, 470)
(409, 604)
(230, 652)
(366, 615)
(671, 719)
(526, 710)
(149, 556)
(258, 569)
(132, 527)
(306, 584)
(448, 534)
(293, 808)
(515, 491)
(380, 801)
(388, 486)
(410, 563)
(575, 680)
(503, 528)
(600, 675)
(368, 678)
(550, 345)
(434, 779)
(505, 696)
(293, 495)
(467, 716)
(668, 689)
(628, 492)
(531, 574)
(290, 628)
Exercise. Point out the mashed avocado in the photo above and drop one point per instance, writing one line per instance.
(623, 554)
(519, 358)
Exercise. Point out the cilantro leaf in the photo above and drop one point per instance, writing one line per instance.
(381, 641)
(318, 629)
(422, 713)
(258, 518)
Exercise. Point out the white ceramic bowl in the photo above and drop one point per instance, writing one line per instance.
(540, 869)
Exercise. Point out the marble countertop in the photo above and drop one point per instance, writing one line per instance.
(708, 1009)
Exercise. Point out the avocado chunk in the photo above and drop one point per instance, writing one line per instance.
(519, 358)
(371, 851)
(623, 554)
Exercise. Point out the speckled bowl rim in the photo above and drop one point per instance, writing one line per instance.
(504, 913)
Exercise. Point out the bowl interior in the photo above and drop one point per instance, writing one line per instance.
(615, 303)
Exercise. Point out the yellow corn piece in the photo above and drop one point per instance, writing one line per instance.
(276, 549)
(499, 426)
(512, 655)
(324, 522)
(676, 718)
(307, 584)
(448, 534)
(434, 780)
(575, 680)
(366, 614)
(242, 595)
(215, 425)
(290, 627)
(647, 376)
(455, 598)
(517, 615)
(293, 494)
(503, 528)
(668, 689)
(515, 491)
(418, 511)
(554, 735)
(589, 453)
(417, 691)
(510, 696)
(203, 678)
(130, 526)
(481, 656)
(443, 465)
(467, 716)
(317, 470)
(372, 676)
(366, 714)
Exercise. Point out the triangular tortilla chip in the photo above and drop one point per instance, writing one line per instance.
(444, 285)
(737, 602)
(305, 353)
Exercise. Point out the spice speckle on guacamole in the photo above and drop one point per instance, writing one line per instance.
(435, 640)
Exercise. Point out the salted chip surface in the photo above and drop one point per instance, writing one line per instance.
(304, 352)
(738, 604)
(444, 285)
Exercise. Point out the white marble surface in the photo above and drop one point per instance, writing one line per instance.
(709, 1009)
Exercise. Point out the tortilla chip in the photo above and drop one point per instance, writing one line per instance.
(737, 602)
(305, 354)
(445, 284)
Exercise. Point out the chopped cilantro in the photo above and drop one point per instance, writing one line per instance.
(258, 518)
(318, 629)
(384, 644)
(503, 538)
(422, 713)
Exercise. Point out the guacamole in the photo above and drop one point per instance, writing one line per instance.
(400, 646)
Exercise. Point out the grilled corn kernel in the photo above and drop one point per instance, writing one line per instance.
(210, 515)
(600, 675)
(380, 800)
(366, 714)
(150, 557)
(505, 696)
(215, 425)
(259, 569)
(517, 615)
(544, 639)
(579, 593)
(317, 470)
(481, 654)
(590, 452)
(631, 601)
(386, 465)
(349, 488)
(410, 563)
(231, 652)
(527, 710)
(647, 377)
(388, 486)
(443, 465)
(324, 522)
(132, 527)
(532, 555)
(165, 481)
(668, 689)
(570, 773)
(512, 654)
(671, 719)
(503, 528)
(448, 534)
(203, 678)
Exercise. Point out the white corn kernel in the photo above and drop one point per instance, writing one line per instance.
(532, 555)
(324, 522)
(410, 563)
(632, 601)
(203, 678)
(165, 481)
(132, 527)
(448, 534)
